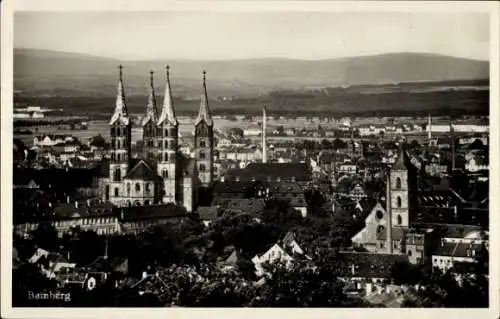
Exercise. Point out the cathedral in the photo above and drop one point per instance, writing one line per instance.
(161, 174)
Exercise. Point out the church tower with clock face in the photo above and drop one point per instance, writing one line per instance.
(204, 140)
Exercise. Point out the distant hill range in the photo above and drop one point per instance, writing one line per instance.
(51, 73)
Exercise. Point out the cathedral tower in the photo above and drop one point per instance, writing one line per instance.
(149, 125)
(167, 138)
(402, 190)
(120, 135)
(204, 140)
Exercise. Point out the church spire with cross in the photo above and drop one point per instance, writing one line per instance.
(120, 112)
(167, 111)
(204, 112)
(151, 110)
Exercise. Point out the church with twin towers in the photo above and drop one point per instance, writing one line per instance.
(161, 173)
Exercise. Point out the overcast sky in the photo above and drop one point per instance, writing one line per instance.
(229, 35)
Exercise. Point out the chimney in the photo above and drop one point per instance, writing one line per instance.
(389, 211)
(429, 129)
(76, 204)
(455, 211)
(106, 249)
(68, 199)
(144, 274)
(264, 126)
(353, 269)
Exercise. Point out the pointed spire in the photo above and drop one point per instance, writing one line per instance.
(204, 113)
(403, 161)
(120, 106)
(151, 110)
(167, 111)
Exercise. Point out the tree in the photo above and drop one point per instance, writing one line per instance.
(97, 141)
(301, 286)
(45, 235)
(339, 144)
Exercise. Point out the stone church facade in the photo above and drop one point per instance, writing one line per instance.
(161, 174)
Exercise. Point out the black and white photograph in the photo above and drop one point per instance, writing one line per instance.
(249, 158)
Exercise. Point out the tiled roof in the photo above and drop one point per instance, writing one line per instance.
(207, 212)
(102, 264)
(367, 204)
(247, 205)
(143, 171)
(398, 233)
(457, 249)
(464, 215)
(69, 211)
(71, 178)
(437, 198)
(262, 171)
(151, 212)
(456, 231)
(284, 188)
(233, 187)
(368, 265)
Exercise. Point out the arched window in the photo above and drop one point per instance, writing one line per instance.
(398, 183)
(129, 203)
(107, 192)
(202, 143)
(113, 156)
(137, 203)
(202, 167)
(137, 187)
(400, 220)
(146, 202)
(117, 192)
(165, 144)
(118, 144)
(165, 174)
(202, 155)
(165, 157)
(166, 133)
(399, 202)
(113, 143)
(117, 175)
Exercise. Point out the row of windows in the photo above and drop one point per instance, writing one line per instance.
(118, 157)
(119, 131)
(160, 132)
(117, 144)
(85, 221)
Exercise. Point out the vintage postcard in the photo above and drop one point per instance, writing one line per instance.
(249, 155)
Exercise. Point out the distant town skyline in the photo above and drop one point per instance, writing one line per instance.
(249, 35)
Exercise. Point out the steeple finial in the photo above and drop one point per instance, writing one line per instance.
(120, 106)
(204, 113)
(167, 111)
